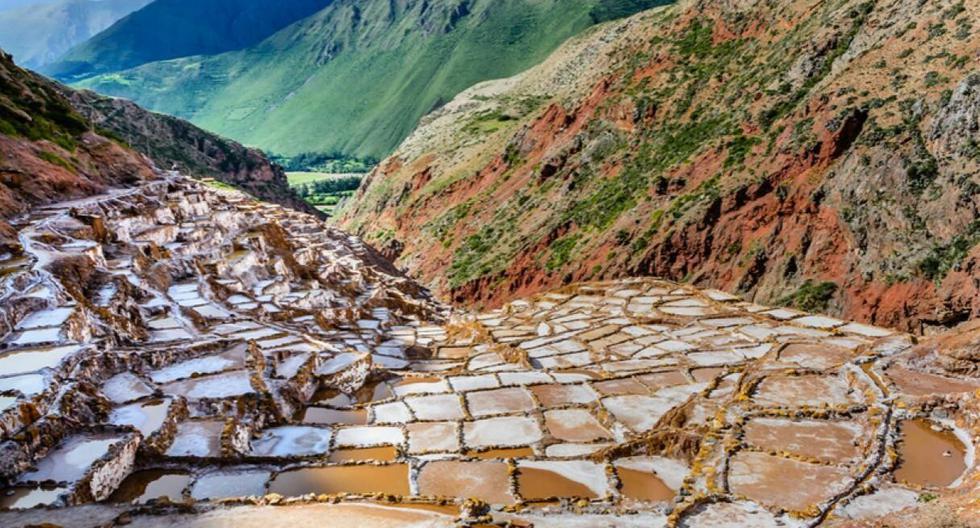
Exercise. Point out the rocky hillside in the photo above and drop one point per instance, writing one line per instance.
(176, 144)
(50, 152)
(816, 153)
(37, 35)
(56, 144)
(354, 78)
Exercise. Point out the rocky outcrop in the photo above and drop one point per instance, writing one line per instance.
(795, 165)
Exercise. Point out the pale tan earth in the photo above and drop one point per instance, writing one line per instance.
(175, 355)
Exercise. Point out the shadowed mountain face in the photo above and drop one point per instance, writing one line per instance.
(352, 79)
(39, 33)
(775, 149)
(168, 29)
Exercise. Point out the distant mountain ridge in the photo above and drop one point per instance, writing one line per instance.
(169, 29)
(352, 79)
(39, 34)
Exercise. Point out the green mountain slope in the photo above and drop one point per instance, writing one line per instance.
(39, 34)
(168, 29)
(356, 77)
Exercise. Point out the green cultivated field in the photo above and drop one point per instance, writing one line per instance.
(325, 191)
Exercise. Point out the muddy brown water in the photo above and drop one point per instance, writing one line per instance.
(380, 454)
(320, 415)
(643, 486)
(143, 486)
(929, 458)
(513, 452)
(539, 484)
(391, 479)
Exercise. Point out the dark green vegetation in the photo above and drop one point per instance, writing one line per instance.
(324, 191)
(39, 35)
(325, 163)
(812, 296)
(169, 29)
(354, 78)
(946, 257)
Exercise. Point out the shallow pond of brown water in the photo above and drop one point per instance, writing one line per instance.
(143, 486)
(380, 454)
(928, 457)
(644, 486)
(513, 452)
(320, 415)
(539, 484)
(391, 479)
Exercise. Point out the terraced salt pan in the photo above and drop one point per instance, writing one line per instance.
(28, 384)
(390, 479)
(504, 431)
(228, 484)
(670, 471)
(143, 486)
(225, 385)
(833, 441)
(54, 317)
(783, 482)
(368, 436)
(795, 391)
(210, 364)
(126, 387)
(26, 498)
(499, 401)
(292, 441)
(146, 417)
(575, 425)
(71, 459)
(574, 478)
(879, 503)
(436, 407)
(484, 480)
(434, 437)
(33, 360)
(7, 402)
(197, 438)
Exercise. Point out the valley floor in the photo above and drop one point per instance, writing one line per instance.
(178, 355)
